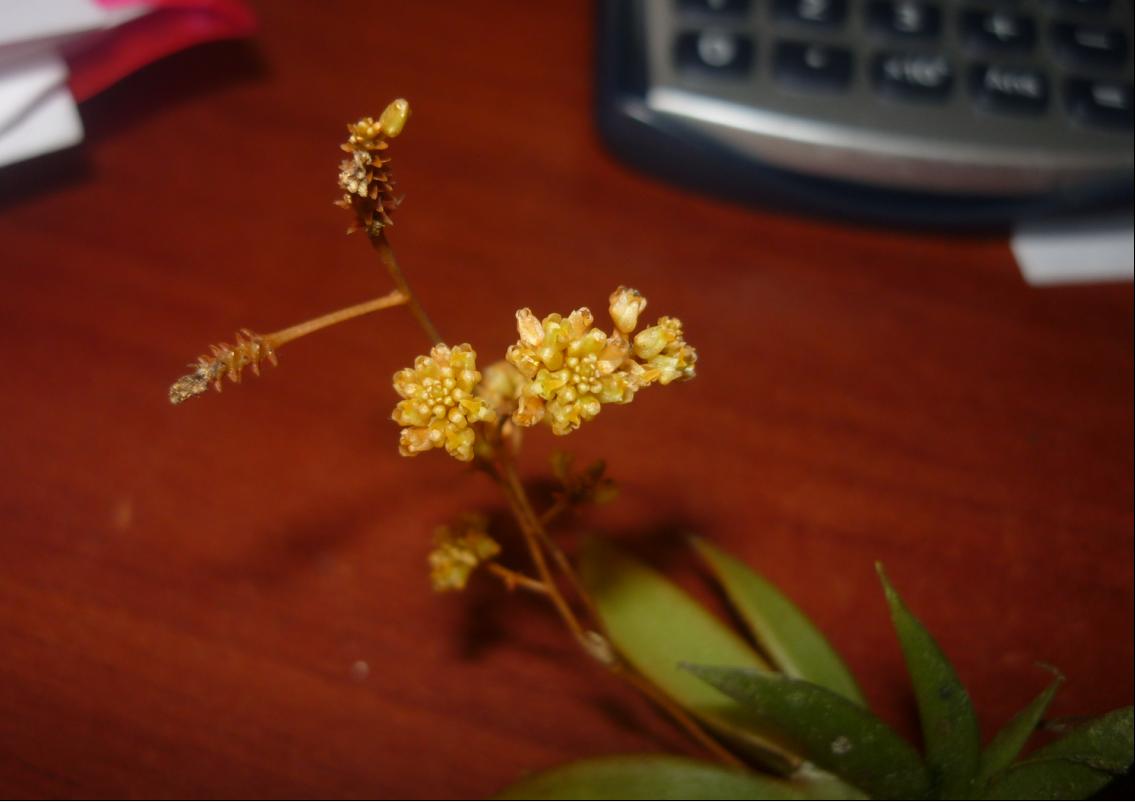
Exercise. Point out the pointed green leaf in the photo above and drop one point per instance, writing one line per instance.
(666, 777)
(1106, 743)
(1078, 765)
(949, 727)
(793, 643)
(1050, 779)
(831, 731)
(655, 625)
(1009, 742)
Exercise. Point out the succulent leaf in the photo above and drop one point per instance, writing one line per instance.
(831, 731)
(655, 625)
(949, 727)
(667, 777)
(1009, 742)
(1077, 766)
(789, 638)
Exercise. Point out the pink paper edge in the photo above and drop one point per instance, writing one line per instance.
(171, 25)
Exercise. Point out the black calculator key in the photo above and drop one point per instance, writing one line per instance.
(908, 19)
(998, 30)
(719, 8)
(1089, 45)
(816, 13)
(912, 76)
(1095, 6)
(720, 53)
(812, 67)
(1103, 103)
(1014, 90)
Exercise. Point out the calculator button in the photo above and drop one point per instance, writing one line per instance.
(1083, 5)
(1089, 45)
(721, 8)
(904, 18)
(1103, 103)
(812, 67)
(715, 52)
(912, 76)
(1014, 90)
(817, 13)
(998, 30)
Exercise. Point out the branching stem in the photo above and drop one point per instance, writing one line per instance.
(386, 254)
(514, 579)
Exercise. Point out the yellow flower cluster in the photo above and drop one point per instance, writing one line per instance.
(560, 372)
(572, 368)
(458, 550)
(439, 404)
(365, 177)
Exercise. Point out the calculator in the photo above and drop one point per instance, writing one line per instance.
(928, 112)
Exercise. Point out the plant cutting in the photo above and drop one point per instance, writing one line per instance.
(774, 713)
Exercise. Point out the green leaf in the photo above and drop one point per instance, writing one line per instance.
(1106, 743)
(655, 625)
(949, 727)
(833, 732)
(1009, 742)
(665, 777)
(788, 637)
(1078, 765)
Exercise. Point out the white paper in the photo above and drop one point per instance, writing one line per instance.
(1098, 249)
(37, 113)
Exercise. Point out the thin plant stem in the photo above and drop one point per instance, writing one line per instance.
(536, 537)
(517, 500)
(696, 731)
(515, 579)
(386, 254)
(279, 338)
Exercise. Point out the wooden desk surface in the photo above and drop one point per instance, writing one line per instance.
(229, 598)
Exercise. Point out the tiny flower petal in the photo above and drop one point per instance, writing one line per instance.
(626, 305)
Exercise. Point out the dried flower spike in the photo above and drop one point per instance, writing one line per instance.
(225, 360)
(251, 349)
(365, 176)
(439, 405)
(458, 550)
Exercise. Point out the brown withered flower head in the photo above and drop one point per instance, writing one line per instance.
(365, 176)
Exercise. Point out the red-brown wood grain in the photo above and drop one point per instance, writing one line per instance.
(188, 595)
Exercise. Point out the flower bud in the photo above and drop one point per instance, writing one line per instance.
(626, 305)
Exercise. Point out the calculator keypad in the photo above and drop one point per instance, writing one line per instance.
(1067, 62)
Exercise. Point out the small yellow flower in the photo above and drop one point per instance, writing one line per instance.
(458, 550)
(664, 353)
(500, 387)
(626, 305)
(440, 405)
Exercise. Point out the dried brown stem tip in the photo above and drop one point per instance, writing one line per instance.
(252, 349)
(365, 177)
(225, 360)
